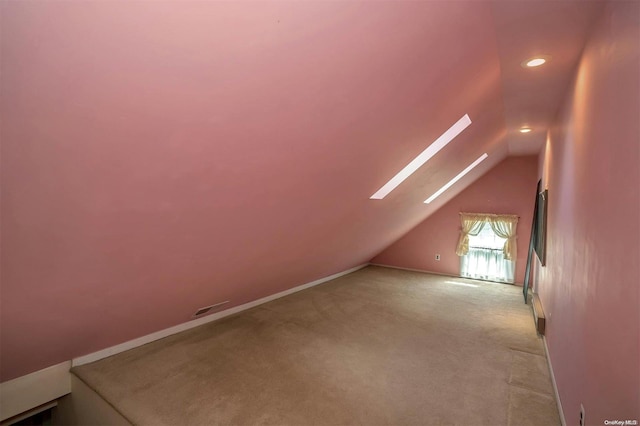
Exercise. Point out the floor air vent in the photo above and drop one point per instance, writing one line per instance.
(208, 309)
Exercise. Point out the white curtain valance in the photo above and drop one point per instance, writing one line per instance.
(504, 225)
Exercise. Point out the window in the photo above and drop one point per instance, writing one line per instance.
(485, 259)
(486, 238)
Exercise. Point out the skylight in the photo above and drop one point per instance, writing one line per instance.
(424, 156)
(457, 178)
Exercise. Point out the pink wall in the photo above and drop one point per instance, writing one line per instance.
(589, 287)
(158, 157)
(508, 188)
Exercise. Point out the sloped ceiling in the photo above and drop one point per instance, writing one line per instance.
(532, 96)
(162, 156)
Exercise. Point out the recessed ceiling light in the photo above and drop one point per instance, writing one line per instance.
(457, 178)
(536, 61)
(525, 129)
(423, 157)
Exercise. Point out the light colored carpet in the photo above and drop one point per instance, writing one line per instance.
(378, 346)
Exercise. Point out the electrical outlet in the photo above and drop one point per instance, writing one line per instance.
(582, 423)
(437, 256)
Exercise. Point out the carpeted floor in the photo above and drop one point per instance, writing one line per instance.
(378, 346)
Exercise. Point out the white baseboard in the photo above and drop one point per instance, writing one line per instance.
(416, 270)
(95, 356)
(553, 381)
(437, 273)
(40, 387)
(34, 389)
